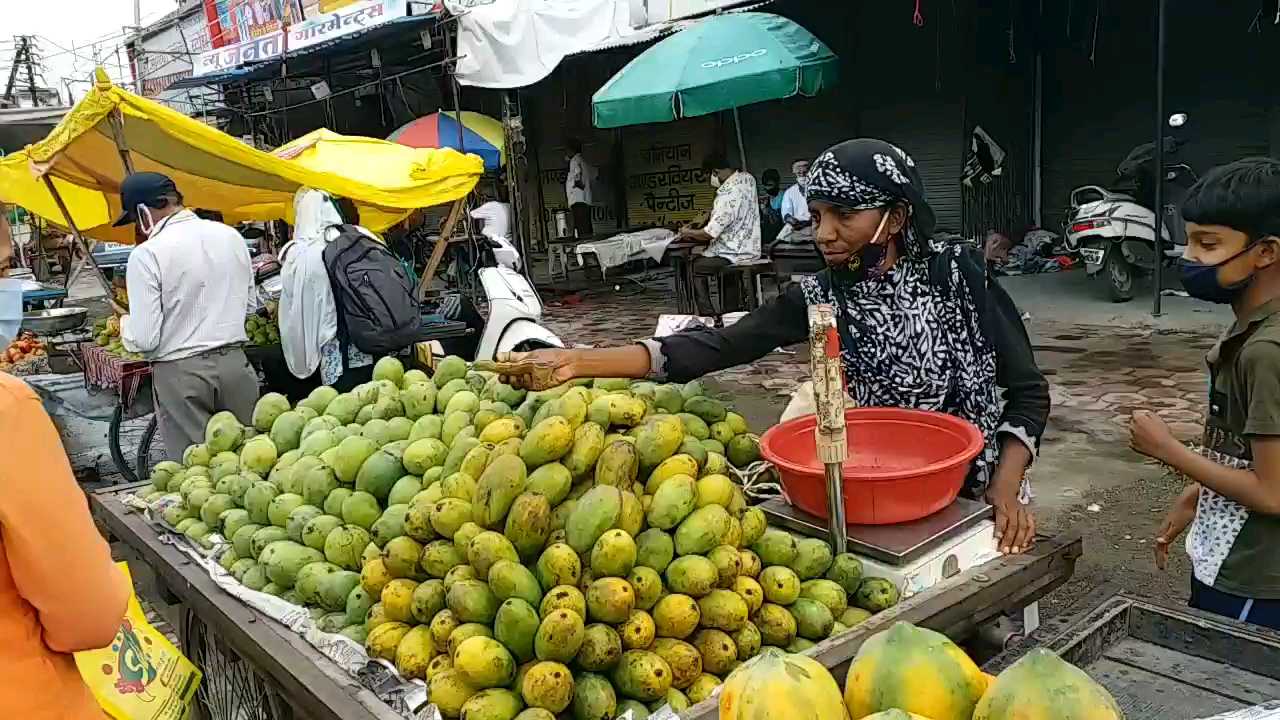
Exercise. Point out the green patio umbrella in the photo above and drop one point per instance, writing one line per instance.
(720, 63)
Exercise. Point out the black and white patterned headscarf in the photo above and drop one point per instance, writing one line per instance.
(914, 345)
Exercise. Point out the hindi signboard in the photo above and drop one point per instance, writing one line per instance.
(225, 58)
(346, 19)
(665, 181)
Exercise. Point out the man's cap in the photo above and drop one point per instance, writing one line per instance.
(141, 188)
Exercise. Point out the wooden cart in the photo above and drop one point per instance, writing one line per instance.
(302, 684)
(1160, 661)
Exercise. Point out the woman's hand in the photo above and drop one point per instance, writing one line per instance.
(1179, 517)
(1015, 523)
(537, 370)
(1150, 436)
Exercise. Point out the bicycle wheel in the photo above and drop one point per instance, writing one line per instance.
(149, 453)
(113, 444)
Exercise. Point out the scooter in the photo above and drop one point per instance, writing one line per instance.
(514, 310)
(1114, 231)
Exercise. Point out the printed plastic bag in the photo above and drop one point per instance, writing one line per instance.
(141, 675)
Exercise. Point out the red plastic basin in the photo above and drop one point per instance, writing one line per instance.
(903, 464)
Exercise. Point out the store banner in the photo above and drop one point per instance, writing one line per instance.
(225, 58)
(346, 19)
(666, 184)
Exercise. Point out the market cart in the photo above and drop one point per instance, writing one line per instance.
(1160, 661)
(293, 681)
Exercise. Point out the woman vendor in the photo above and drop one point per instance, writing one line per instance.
(921, 326)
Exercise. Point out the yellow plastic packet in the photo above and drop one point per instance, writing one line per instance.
(141, 675)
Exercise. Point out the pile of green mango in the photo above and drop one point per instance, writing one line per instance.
(577, 552)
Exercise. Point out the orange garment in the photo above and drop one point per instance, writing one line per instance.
(59, 591)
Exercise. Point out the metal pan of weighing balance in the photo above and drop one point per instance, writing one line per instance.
(902, 464)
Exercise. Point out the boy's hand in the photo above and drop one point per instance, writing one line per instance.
(1149, 435)
(1179, 517)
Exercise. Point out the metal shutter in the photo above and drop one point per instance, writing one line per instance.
(930, 131)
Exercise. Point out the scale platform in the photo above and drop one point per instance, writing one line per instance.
(895, 545)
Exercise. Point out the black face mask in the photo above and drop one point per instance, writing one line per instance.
(1201, 280)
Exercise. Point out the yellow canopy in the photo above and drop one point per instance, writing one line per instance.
(215, 171)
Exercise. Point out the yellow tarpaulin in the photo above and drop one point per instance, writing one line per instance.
(213, 170)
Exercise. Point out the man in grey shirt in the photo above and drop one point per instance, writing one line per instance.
(190, 284)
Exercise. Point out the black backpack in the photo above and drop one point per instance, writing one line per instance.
(377, 310)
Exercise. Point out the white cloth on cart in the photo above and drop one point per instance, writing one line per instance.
(627, 246)
(308, 316)
(515, 43)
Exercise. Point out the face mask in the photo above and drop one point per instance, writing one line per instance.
(715, 181)
(10, 310)
(1201, 281)
(146, 222)
(869, 258)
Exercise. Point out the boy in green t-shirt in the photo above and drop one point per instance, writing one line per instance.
(1233, 502)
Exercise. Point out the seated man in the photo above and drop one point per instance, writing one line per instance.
(494, 217)
(732, 234)
(797, 226)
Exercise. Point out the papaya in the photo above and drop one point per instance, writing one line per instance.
(775, 684)
(945, 683)
(1043, 685)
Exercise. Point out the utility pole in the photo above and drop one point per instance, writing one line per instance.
(31, 76)
(19, 52)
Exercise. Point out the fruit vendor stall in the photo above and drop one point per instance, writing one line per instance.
(449, 540)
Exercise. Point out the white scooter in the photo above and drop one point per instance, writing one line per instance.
(1115, 231)
(514, 312)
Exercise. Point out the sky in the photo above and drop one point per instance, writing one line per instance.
(66, 35)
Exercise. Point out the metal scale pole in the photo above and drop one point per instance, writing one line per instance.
(829, 431)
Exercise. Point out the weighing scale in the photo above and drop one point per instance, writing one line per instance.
(914, 555)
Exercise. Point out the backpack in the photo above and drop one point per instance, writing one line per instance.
(374, 297)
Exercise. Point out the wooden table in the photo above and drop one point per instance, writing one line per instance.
(956, 607)
(313, 686)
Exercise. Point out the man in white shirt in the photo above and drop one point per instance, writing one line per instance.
(797, 226)
(190, 286)
(495, 218)
(577, 189)
(732, 233)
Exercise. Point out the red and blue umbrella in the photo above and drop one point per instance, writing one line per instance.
(481, 135)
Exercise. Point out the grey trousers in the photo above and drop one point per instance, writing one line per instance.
(189, 391)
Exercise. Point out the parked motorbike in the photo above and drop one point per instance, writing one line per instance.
(514, 315)
(1114, 229)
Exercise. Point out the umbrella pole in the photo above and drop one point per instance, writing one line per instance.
(437, 253)
(117, 134)
(742, 148)
(75, 232)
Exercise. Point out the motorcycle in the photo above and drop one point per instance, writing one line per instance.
(1114, 229)
(514, 316)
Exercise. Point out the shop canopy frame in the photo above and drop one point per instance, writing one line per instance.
(72, 177)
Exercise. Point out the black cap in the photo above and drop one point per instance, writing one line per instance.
(142, 188)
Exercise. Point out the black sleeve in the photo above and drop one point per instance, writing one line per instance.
(693, 353)
(1026, 395)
